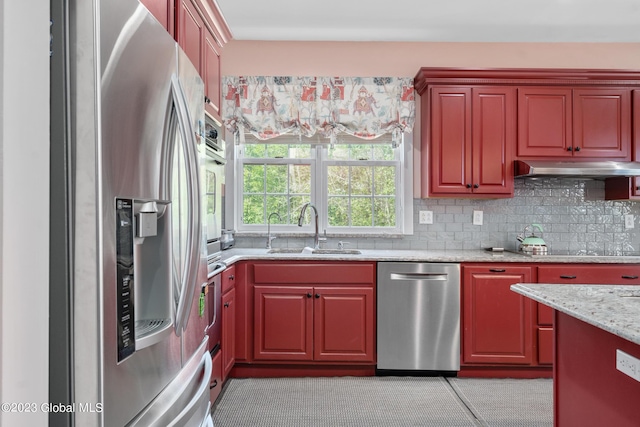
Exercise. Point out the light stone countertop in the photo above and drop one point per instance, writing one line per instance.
(237, 254)
(613, 308)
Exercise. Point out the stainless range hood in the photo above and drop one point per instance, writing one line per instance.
(578, 170)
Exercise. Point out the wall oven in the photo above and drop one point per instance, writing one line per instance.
(213, 187)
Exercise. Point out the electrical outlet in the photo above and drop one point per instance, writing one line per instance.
(477, 217)
(628, 364)
(629, 221)
(426, 217)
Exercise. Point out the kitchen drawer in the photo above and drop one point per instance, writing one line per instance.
(228, 279)
(607, 274)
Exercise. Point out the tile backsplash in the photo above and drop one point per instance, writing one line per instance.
(573, 214)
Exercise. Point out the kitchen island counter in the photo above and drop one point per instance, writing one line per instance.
(596, 329)
(613, 308)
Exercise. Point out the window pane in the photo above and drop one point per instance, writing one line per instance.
(361, 180)
(361, 152)
(338, 180)
(253, 178)
(279, 205)
(276, 181)
(253, 210)
(277, 151)
(385, 177)
(384, 212)
(296, 207)
(300, 179)
(255, 150)
(338, 211)
(300, 151)
(383, 152)
(361, 215)
(338, 152)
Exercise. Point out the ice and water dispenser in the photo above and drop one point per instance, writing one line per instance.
(143, 251)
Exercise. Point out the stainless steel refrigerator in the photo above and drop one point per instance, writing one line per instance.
(128, 329)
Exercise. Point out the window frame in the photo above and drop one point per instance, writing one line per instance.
(319, 163)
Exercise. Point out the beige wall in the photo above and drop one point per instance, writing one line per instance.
(404, 59)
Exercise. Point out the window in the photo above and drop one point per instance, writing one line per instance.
(358, 187)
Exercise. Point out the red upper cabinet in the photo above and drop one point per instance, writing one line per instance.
(163, 11)
(574, 123)
(195, 33)
(190, 32)
(472, 132)
(626, 188)
(211, 73)
(544, 122)
(602, 123)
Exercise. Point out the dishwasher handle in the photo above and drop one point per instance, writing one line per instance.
(419, 276)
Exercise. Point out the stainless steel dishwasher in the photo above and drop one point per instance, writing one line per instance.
(418, 316)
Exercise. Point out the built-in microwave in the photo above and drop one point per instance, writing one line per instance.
(214, 170)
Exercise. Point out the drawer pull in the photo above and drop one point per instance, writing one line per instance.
(497, 270)
(226, 305)
(566, 276)
(624, 276)
(231, 277)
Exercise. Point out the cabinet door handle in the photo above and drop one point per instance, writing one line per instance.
(475, 186)
(497, 270)
(231, 277)
(569, 148)
(624, 276)
(226, 305)
(577, 148)
(309, 295)
(214, 385)
(468, 185)
(566, 276)
(317, 295)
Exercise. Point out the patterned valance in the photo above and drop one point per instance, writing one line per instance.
(364, 107)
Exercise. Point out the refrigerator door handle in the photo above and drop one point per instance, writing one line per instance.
(194, 230)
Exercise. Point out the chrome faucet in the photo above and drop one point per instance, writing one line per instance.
(316, 241)
(269, 237)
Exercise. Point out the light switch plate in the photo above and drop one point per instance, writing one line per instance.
(477, 217)
(629, 221)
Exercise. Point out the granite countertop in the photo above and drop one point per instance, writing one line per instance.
(237, 254)
(613, 308)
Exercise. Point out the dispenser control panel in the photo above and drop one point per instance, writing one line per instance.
(124, 264)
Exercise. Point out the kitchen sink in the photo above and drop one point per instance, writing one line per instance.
(309, 250)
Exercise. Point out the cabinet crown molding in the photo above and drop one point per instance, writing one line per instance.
(524, 76)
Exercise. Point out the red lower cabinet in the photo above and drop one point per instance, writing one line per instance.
(545, 346)
(314, 312)
(283, 320)
(228, 332)
(313, 323)
(343, 324)
(497, 323)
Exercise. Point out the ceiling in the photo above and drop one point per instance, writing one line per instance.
(434, 21)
